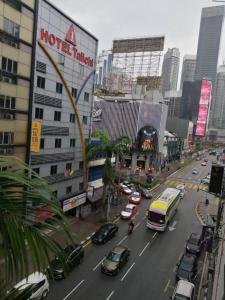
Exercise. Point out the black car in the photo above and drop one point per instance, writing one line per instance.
(145, 192)
(104, 233)
(187, 267)
(194, 244)
(74, 254)
(115, 260)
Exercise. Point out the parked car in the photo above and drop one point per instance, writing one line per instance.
(115, 260)
(104, 233)
(187, 267)
(125, 189)
(181, 187)
(145, 192)
(74, 254)
(195, 171)
(194, 243)
(206, 160)
(135, 198)
(184, 290)
(129, 211)
(37, 285)
(206, 180)
(203, 163)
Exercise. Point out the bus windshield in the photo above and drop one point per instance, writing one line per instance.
(156, 217)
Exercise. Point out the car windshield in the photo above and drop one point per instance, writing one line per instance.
(155, 217)
(181, 297)
(127, 209)
(186, 266)
(194, 241)
(136, 194)
(113, 256)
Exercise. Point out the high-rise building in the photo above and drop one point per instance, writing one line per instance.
(173, 100)
(217, 112)
(16, 38)
(209, 43)
(188, 69)
(170, 70)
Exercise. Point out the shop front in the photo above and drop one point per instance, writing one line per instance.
(73, 205)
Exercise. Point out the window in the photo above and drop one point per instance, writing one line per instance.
(81, 165)
(58, 143)
(11, 28)
(41, 82)
(68, 189)
(81, 186)
(86, 96)
(53, 170)
(74, 92)
(2, 169)
(42, 143)
(6, 138)
(9, 65)
(41, 67)
(61, 59)
(57, 116)
(81, 69)
(69, 166)
(59, 87)
(72, 143)
(36, 170)
(85, 119)
(72, 118)
(7, 102)
(39, 112)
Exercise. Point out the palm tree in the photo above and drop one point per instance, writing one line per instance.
(22, 244)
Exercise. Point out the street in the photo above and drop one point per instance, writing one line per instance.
(150, 272)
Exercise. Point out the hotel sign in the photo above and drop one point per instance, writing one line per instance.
(67, 46)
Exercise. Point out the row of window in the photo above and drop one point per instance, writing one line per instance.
(11, 28)
(69, 189)
(7, 102)
(39, 114)
(58, 143)
(54, 168)
(6, 138)
(9, 65)
(59, 88)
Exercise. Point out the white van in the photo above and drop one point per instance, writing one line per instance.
(184, 290)
(39, 285)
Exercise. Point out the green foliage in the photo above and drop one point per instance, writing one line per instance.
(105, 138)
(22, 193)
(108, 173)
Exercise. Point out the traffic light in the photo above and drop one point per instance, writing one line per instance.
(216, 179)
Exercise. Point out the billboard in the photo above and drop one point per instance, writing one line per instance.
(35, 136)
(203, 109)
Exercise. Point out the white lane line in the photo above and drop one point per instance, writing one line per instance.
(180, 256)
(127, 271)
(140, 254)
(98, 264)
(123, 239)
(167, 285)
(136, 226)
(73, 290)
(110, 295)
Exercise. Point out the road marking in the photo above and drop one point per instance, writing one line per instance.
(167, 285)
(123, 239)
(98, 264)
(136, 226)
(116, 220)
(127, 271)
(73, 290)
(172, 227)
(87, 244)
(110, 295)
(174, 269)
(180, 256)
(140, 254)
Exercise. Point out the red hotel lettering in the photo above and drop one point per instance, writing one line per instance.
(65, 47)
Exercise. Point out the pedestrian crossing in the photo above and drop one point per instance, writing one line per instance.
(188, 185)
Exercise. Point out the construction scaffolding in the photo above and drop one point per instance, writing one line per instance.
(133, 58)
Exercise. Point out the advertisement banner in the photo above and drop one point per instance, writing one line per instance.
(74, 202)
(43, 214)
(200, 129)
(35, 136)
(203, 112)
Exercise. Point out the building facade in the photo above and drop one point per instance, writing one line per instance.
(59, 158)
(170, 70)
(188, 69)
(209, 43)
(173, 100)
(16, 39)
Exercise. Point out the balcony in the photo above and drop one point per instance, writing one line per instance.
(62, 177)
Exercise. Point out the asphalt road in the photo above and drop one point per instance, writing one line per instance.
(150, 272)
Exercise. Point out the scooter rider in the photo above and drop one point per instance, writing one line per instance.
(131, 227)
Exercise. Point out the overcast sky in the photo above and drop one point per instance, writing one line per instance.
(178, 20)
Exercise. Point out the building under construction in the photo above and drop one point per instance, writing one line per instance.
(134, 60)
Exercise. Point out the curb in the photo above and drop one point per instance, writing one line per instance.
(198, 214)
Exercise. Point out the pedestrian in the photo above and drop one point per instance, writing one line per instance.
(168, 168)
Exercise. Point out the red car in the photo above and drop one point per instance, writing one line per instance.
(135, 198)
(129, 211)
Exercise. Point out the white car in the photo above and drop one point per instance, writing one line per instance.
(135, 198)
(181, 187)
(203, 163)
(126, 190)
(38, 283)
(129, 211)
(206, 180)
(195, 171)
(184, 290)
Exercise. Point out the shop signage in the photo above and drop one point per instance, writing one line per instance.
(74, 202)
(35, 136)
(44, 213)
(67, 46)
